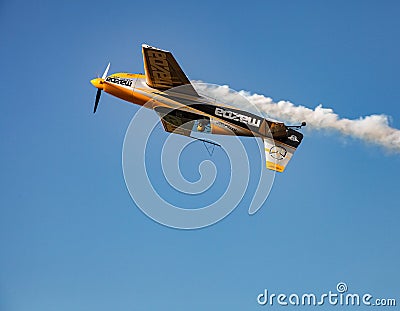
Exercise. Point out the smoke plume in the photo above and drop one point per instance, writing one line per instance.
(372, 129)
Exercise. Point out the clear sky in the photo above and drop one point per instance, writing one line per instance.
(71, 237)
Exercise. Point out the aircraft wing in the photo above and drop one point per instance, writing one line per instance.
(163, 72)
(183, 122)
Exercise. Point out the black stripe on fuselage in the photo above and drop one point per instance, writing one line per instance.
(239, 118)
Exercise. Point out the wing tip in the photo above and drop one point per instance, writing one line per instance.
(146, 46)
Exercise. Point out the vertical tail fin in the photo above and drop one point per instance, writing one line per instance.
(279, 152)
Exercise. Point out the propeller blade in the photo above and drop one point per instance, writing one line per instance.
(106, 71)
(96, 103)
(95, 83)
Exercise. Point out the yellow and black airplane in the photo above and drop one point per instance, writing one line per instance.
(165, 88)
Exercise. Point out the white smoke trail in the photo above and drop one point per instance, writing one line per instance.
(373, 129)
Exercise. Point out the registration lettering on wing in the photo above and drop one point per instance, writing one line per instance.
(160, 69)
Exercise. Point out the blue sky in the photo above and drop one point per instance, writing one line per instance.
(71, 238)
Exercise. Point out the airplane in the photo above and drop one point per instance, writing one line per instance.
(182, 110)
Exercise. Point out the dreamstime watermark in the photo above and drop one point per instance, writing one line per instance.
(340, 297)
(171, 208)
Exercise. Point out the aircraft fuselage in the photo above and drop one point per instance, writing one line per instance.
(225, 120)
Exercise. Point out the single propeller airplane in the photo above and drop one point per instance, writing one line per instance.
(165, 88)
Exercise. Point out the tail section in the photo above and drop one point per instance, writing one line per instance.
(279, 152)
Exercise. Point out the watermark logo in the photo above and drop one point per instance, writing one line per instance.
(341, 287)
(340, 297)
(152, 162)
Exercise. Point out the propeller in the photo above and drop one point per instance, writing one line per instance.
(98, 93)
(96, 103)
